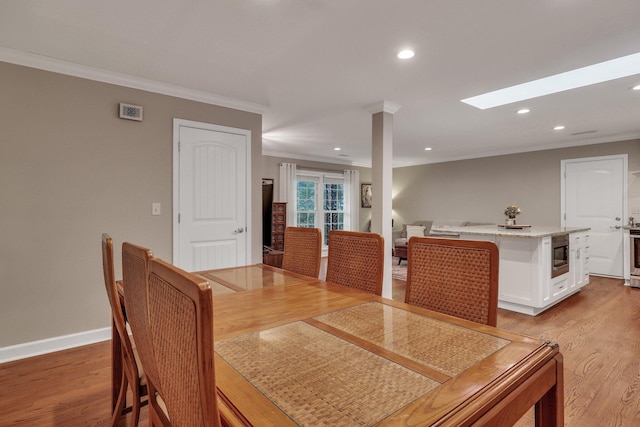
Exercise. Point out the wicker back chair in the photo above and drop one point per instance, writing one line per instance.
(302, 250)
(135, 271)
(126, 356)
(455, 277)
(356, 260)
(181, 321)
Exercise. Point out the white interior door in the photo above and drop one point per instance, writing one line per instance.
(211, 196)
(594, 195)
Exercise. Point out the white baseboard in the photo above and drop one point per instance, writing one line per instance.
(49, 345)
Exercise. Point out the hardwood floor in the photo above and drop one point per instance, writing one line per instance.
(598, 330)
(67, 388)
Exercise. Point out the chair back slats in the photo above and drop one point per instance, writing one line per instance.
(356, 260)
(302, 250)
(110, 284)
(455, 277)
(131, 375)
(135, 270)
(181, 321)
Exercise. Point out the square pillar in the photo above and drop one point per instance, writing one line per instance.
(382, 181)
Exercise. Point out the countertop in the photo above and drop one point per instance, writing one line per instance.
(534, 232)
(636, 226)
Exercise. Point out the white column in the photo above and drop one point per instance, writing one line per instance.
(382, 181)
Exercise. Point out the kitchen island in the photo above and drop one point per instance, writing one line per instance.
(537, 268)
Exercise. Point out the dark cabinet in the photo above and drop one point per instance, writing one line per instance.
(278, 224)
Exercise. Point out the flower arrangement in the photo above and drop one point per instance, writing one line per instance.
(511, 211)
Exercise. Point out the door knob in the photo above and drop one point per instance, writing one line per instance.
(617, 227)
(238, 231)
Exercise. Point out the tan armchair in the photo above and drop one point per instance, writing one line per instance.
(401, 237)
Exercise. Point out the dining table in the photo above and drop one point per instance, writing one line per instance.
(296, 350)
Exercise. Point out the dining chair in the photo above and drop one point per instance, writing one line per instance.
(181, 325)
(126, 356)
(355, 259)
(136, 262)
(455, 277)
(135, 272)
(302, 250)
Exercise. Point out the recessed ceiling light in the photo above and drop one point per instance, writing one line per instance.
(406, 54)
(523, 111)
(592, 74)
(636, 87)
(559, 127)
(337, 149)
(427, 149)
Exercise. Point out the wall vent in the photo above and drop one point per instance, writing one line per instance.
(130, 112)
(584, 132)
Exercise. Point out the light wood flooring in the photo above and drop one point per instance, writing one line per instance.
(598, 330)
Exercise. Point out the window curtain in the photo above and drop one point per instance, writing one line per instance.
(352, 199)
(288, 190)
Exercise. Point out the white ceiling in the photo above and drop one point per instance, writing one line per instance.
(316, 65)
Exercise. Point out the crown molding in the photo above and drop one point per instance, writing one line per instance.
(82, 71)
(296, 156)
(383, 107)
(496, 153)
(555, 146)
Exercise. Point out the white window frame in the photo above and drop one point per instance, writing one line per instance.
(321, 178)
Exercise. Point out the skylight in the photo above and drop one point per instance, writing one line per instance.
(592, 74)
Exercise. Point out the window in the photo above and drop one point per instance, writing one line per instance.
(333, 208)
(306, 209)
(320, 202)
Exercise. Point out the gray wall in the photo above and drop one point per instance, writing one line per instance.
(479, 189)
(271, 169)
(70, 169)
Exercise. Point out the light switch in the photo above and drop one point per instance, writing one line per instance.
(155, 208)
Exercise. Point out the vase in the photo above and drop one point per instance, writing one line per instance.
(510, 221)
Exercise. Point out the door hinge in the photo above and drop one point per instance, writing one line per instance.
(178, 218)
(179, 146)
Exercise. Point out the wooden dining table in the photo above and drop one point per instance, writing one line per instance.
(295, 350)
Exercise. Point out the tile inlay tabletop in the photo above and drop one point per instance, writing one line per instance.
(316, 377)
(294, 350)
(445, 347)
(253, 277)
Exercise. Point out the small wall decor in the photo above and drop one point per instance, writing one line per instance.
(365, 195)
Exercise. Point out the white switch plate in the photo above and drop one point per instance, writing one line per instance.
(155, 208)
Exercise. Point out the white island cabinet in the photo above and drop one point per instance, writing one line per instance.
(526, 283)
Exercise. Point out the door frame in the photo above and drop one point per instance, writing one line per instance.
(177, 123)
(625, 188)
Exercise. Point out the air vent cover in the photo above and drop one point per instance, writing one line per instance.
(130, 112)
(584, 132)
